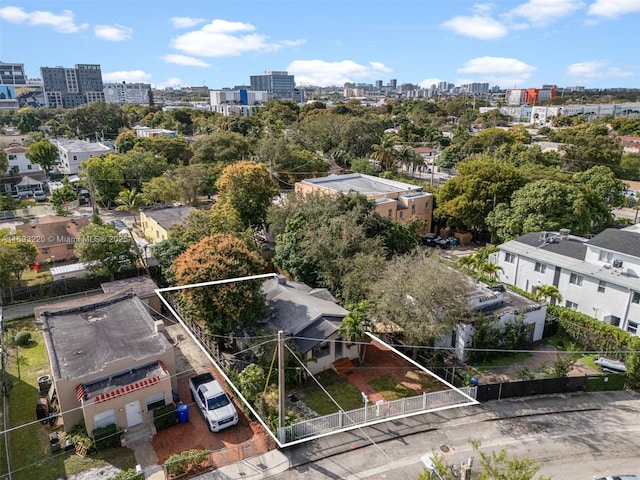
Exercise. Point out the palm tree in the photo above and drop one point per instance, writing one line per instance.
(468, 263)
(491, 270)
(407, 157)
(354, 326)
(385, 153)
(130, 201)
(545, 293)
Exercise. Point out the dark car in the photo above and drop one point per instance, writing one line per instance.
(430, 239)
(119, 224)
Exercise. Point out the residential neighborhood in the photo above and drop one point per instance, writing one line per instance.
(318, 268)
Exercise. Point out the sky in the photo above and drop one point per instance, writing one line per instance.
(221, 43)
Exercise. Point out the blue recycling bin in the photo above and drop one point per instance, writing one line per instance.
(183, 413)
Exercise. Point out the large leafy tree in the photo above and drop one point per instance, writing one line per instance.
(27, 120)
(224, 307)
(104, 177)
(104, 250)
(421, 295)
(278, 114)
(481, 184)
(222, 147)
(139, 166)
(203, 223)
(44, 153)
(16, 254)
(96, 120)
(176, 151)
(602, 180)
(247, 188)
(160, 190)
(549, 205)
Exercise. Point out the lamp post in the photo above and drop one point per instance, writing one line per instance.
(428, 463)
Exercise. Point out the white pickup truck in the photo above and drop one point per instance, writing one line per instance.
(214, 403)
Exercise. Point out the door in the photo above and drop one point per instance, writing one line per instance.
(134, 413)
(338, 348)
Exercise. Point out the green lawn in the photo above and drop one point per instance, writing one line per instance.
(30, 277)
(503, 361)
(346, 394)
(588, 360)
(30, 450)
(390, 388)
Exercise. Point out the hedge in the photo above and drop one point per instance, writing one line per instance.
(23, 338)
(594, 334)
(106, 437)
(165, 417)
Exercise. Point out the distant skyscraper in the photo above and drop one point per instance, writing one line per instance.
(12, 74)
(379, 84)
(276, 84)
(72, 87)
(393, 84)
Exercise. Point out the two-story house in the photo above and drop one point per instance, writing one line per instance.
(398, 201)
(156, 222)
(74, 152)
(55, 237)
(599, 277)
(18, 161)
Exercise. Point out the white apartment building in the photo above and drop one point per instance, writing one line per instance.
(237, 102)
(74, 152)
(127, 93)
(18, 161)
(599, 277)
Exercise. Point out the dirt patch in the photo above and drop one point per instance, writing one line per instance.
(541, 354)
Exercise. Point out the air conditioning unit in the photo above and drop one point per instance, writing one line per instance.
(617, 263)
(607, 266)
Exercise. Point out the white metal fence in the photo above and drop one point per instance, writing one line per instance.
(378, 412)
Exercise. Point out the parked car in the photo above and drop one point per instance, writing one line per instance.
(39, 196)
(214, 403)
(25, 194)
(119, 224)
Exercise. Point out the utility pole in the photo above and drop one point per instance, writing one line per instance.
(281, 386)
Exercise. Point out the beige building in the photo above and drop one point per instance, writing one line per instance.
(110, 362)
(398, 201)
(55, 237)
(157, 222)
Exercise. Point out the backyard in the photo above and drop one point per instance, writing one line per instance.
(31, 455)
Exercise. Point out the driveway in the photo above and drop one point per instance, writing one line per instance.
(243, 440)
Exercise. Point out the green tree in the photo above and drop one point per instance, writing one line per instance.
(104, 250)
(549, 205)
(222, 147)
(278, 114)
(4, 162)
(544, 293)
(166, 252)
(247, 188)
(130, 201)
(160, 190)
(385, 154)
(420, 295)
(602, 180)
(63, 195)
(224, 307)
(176, 151)
(104, 177)
(126, 140)
(44, 153)
(251, 381)
(16, 254)
(138, 166)
(27, 120)
(96, 120)
(354, 326)
(202, 223)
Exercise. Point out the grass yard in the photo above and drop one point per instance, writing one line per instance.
(346, 394)
(503, 361)
(31, 277)
(390, 388)
(588, 360)
(31, 455)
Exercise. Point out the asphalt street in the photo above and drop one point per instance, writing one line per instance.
(573, 437)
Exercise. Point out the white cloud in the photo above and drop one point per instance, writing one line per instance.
(113, 33)
(322, 73)
(61, 23)
(544, 12)
(186, 22)
(427, 82)
(502, 71)
(185, 60)
(595, 69)
(133, 76)
(221, 38)
(173, 82)
(476, 26)
(614, 8)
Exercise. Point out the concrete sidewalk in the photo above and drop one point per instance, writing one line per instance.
(262, 466)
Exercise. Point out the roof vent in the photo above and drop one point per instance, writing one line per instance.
(564, 233)
(617, 263)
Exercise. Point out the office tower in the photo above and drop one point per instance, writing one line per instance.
(276, 84)
(72, 87)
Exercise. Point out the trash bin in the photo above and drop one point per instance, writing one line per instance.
(44, 383)
(183, 413)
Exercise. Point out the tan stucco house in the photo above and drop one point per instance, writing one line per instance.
(110, 361)
(398, 201)
(156, 222)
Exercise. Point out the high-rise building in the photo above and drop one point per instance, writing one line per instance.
(393, 84)
(72, 87)
(379, 84)
(123, 93)
(12, 74)
(279, 85)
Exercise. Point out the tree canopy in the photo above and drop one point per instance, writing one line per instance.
(104, 250)
(44, 153)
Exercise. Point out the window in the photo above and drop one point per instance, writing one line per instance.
(389, 213)
(602, 285)
(571, 305)
(605, 256)
(576, 279)
(103, 419)
(636, 297)
(69, 246)
(401, 214)
(413, 209)
(45, 249)
(155, 401)
(322, 350)
(509, 257)
(632, 328)
(540, 267)
(29, 167)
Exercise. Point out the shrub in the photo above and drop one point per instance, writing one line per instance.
(165, 417)
(129, 474)
(78, 435)
(106, 437)
(189, 461)
(23, 338)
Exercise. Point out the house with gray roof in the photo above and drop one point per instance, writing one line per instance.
(599, 277)
(156, 222)
(111, 362)
(311, 318)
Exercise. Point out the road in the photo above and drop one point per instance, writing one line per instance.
(574, 437)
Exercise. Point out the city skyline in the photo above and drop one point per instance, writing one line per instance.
(514, 44)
